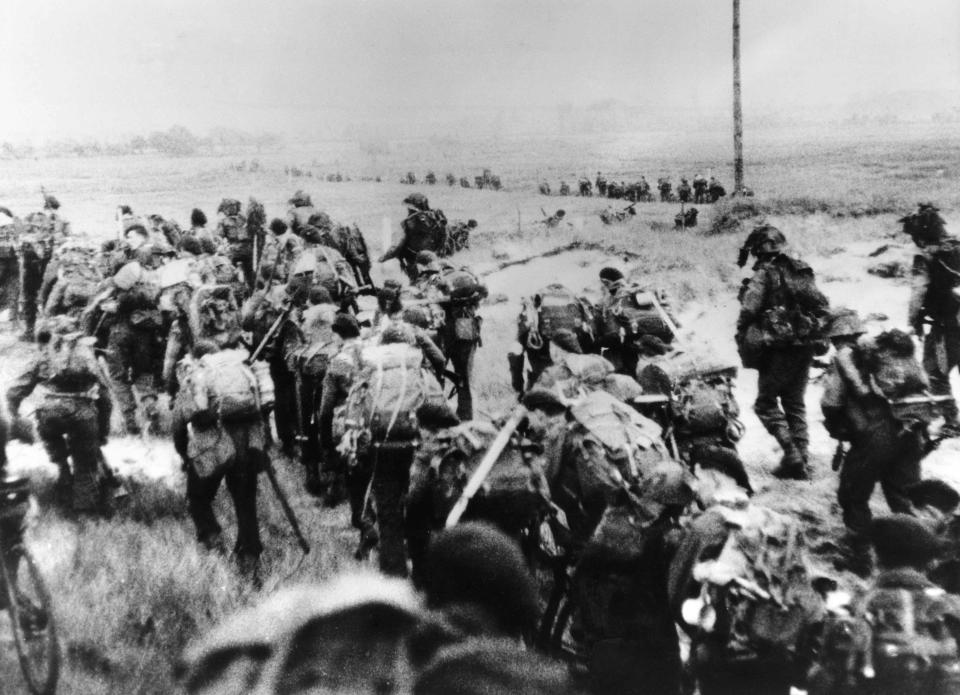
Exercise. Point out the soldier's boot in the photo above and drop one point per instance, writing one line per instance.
(313, 483)
(792, 463)
(857, 555)
(248, 565)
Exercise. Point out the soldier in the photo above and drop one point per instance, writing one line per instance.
(544, 188)
(232, 228)
(586, 187)
(44, 231)
(564, 188)
(280, 250)
(430, 179)
(665, 187)
(554, 220)
(933, 302)
(683, 191)
(333, 393)
(601, 185)
(645, 189)
(778, 333)
(198, 223)
(855, 409)
(299, 214)
(715, 191)
(219, 450)
(458, 237)
(451, 180)
(699, 189)
(899, 635)
(422, 229)
(73, 414)
(135, 347)
(461, 292)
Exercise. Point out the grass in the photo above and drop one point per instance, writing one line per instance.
(131, 592)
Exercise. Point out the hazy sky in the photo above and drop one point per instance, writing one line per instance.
(101, 67)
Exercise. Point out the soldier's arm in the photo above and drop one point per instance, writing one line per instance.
(752, 300)
(394, 250)
(22, 386)
(336, 385)
(919, 283)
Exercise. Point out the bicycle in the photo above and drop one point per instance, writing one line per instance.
(24, 595)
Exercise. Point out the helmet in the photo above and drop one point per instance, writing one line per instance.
(845, 322)
(417, 201)
(766, 239)
(399, 332)
(300, 199)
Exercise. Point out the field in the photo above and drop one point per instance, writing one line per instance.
(131, 592)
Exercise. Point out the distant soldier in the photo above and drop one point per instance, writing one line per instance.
(715, 191)
(699, 189)
(232, 228)
(564, 188)
(554, 220)
(544, 188)
(298, 216)
(457, 238)
(645, 189)
(934, 302)
(684, 191)
(665, 188)
(72, 410)
(601, 185)
(586, 188)
(430, 179)
(451, 180)
(778, 331)
(464, 182)
(422, 229)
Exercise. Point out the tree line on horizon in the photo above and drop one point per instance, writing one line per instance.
(176, 141)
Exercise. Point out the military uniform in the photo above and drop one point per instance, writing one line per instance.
(784, 366)
(73, 418)
(423, 230)
(10, 269)
(933, 302)
(135, 354)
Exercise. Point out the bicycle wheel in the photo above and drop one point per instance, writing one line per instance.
(31, 618)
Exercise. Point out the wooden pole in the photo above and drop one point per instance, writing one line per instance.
(737, 108)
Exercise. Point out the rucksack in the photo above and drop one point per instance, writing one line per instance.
(318, 346)
(944, 265)
(555, 308)
(636, 312)
(390, 386)
(795, 309)
(328, 267)
(894, 640)
(515, 491)
(71, 358)
(234, 227)
(213, 315)
(225, 386)
(461, 284)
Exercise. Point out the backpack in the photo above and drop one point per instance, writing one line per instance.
(894, 640)
(71, 358)
(328, 267)
(513, 494)
(234, 227)
(555, 308)
(390, 386)
(213, 315)
(318, 346)
(461, 284)
(758, 586)
(225, 386)
(636, 312)
(795, 308)
(944, 264)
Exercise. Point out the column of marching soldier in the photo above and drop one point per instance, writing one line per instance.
(609, 453)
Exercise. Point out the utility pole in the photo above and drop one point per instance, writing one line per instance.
(737, 108)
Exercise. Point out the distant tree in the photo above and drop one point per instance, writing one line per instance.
(177, 141)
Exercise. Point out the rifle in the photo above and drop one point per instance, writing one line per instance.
(285, 505)
(271, 332)
(486, 465)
